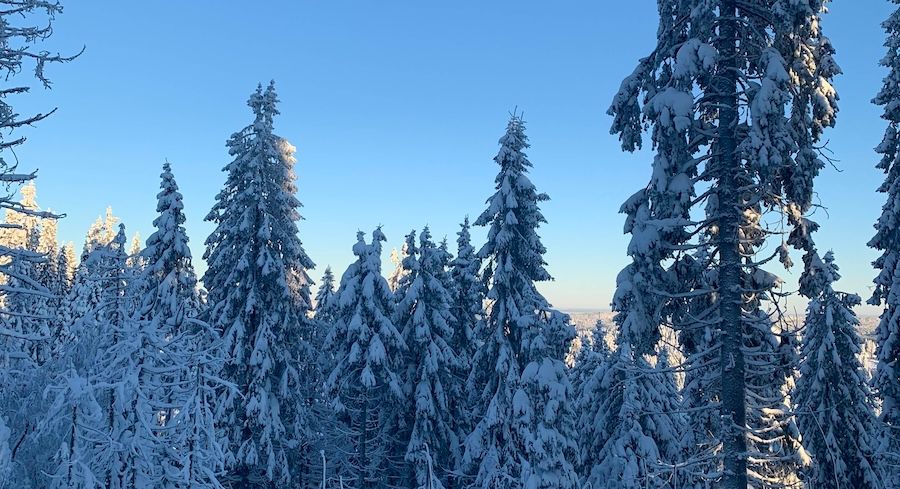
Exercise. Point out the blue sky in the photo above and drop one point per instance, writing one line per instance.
(395, 108)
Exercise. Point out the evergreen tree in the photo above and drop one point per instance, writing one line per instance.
(739, 108)
(27, 309)
(592, 366)
(259, 298)
(325, 307)
(397, 258)
(134, 252)
(887, 242)
(834, 406)
(468, 292)
(183, 359)
(636, 436)
(423, 315)
(93, 387)
(101, 232)
(365, 386)
(544, 407)
(630, 454)
(467, 307)
(495, 451)
(120, 457)
(71, 261)
(402, 310)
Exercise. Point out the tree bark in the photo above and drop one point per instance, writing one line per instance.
(733, 405)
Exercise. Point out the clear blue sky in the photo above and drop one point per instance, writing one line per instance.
(395, 108)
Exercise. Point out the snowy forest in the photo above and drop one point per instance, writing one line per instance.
(121, 367)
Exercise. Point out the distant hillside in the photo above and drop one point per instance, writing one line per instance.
(584, 325)
(584, 322)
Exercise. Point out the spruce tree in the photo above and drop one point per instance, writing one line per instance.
(544, 407)
(121, 346)
(887, 242)
(184, 362)
(636, 434)
(467, 307)
(737, 108)
(259, 298)
(423, 315)
(365, 386)
(591, 368)
(325, 307)
(468, 292)
(94, 386)
(496, 451)
(834, 404)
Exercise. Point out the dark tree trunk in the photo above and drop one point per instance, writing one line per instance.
(733, 408)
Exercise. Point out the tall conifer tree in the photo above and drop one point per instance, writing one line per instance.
(365, 386)
(740, 108)
(497, 450)
(887, 242)
(259, 298)
(834, 405)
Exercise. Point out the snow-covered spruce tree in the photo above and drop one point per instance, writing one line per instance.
(124, 457)
(83, 298)
(591, 368)
(325, 307)
(404, 306)
(135, 261)
(90, 420)
(833, 402)
(396, 275)
(26, 311)
(365, 386)
(71, 261)
(649, 412)
(127, 376)
(182, 355)
(495, 451)
(630, 455)
(467, 307)
(325, 315)
(81, 416)
(101, 232)
(761, 74)
(423, 315)
(332, 444)
(259, 297)
(168, 284)
(468, 292)
(887, 241)
(544, 407)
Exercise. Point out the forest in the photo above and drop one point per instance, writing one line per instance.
(121, 367)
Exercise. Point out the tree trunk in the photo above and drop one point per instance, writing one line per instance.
(733, 405)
